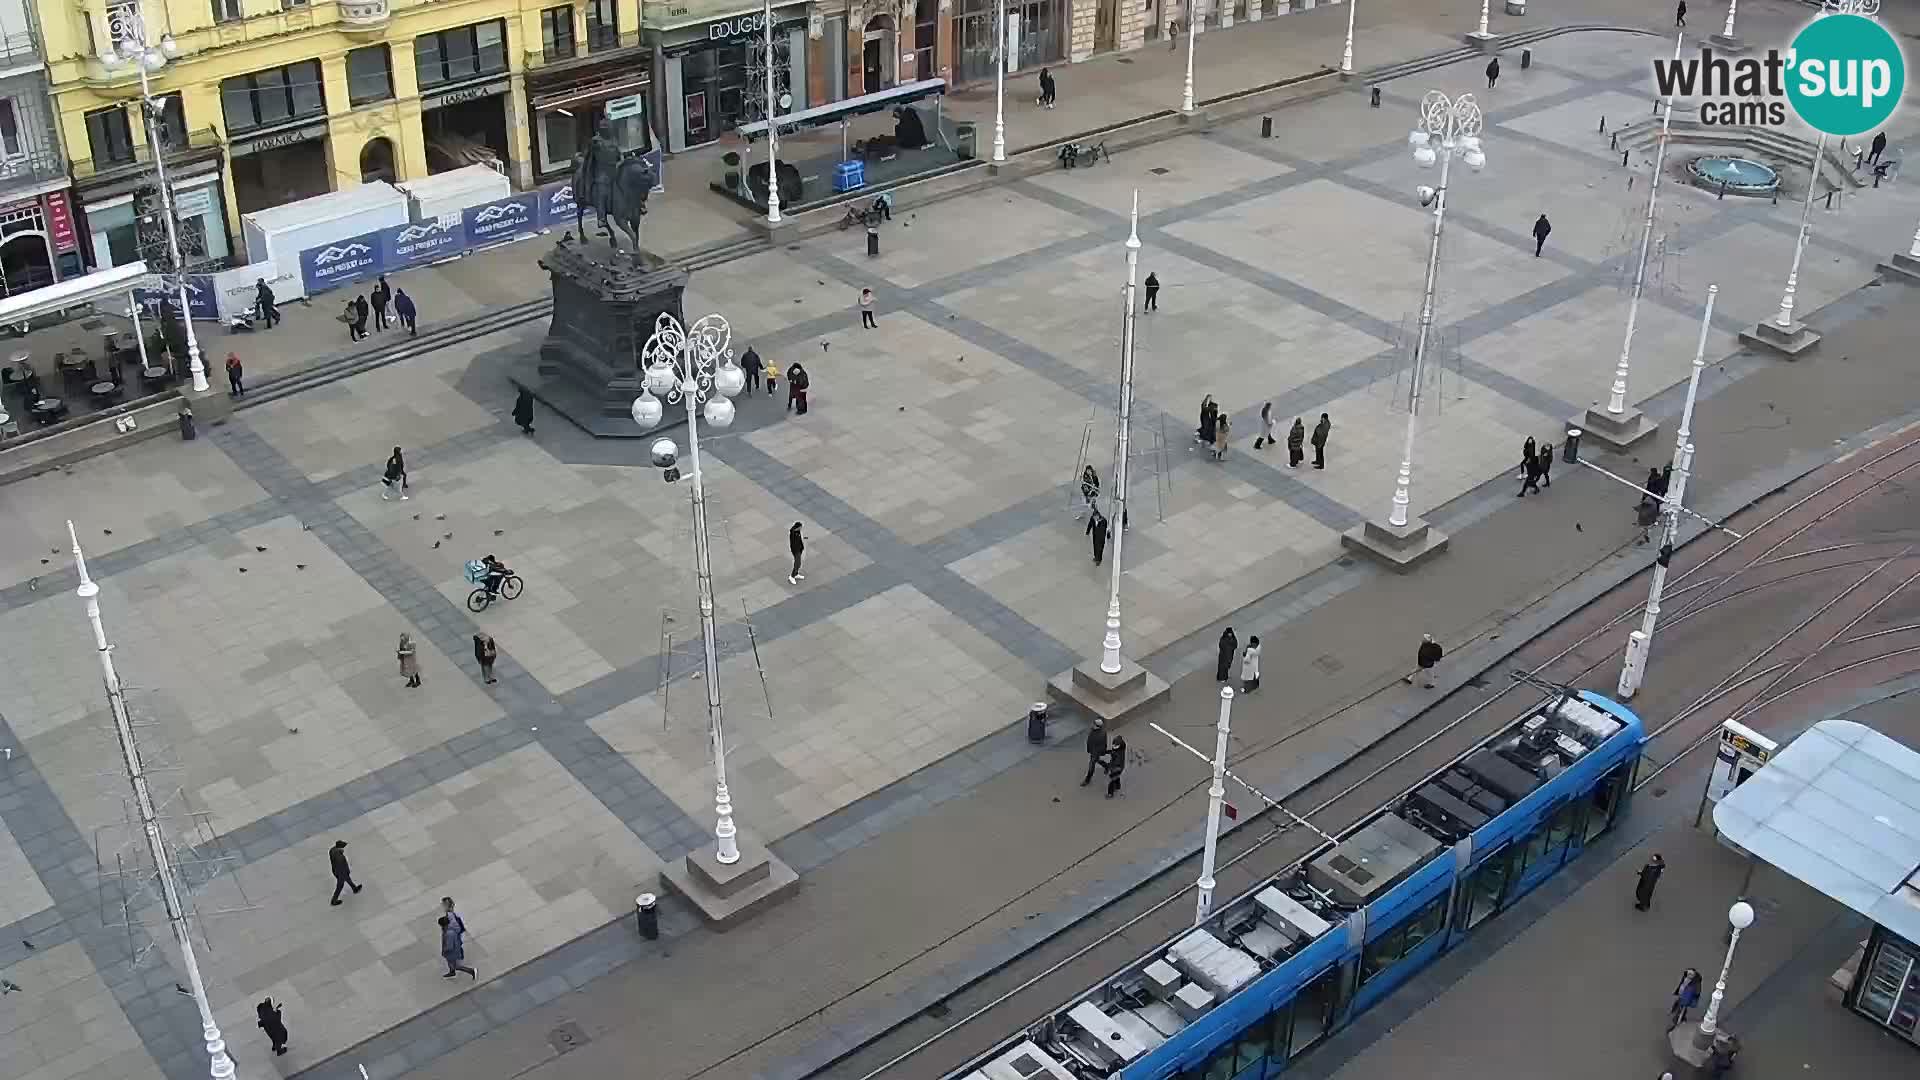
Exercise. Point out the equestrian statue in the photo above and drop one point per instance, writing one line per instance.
(615, 186)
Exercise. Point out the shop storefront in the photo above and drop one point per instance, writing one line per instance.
(464, 88)
(101, 216)
(276, 123)
(712, 62)
(115, 239)
(1887, 988)
(567, 106)
(38, 244)
(1037, 32)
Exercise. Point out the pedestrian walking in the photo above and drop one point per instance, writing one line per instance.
(1266, 437)
(1879, 147)
(1530, 476)
(1153, 292)
(1680, 14)
(403, 307)
(1116, 764)
(1428, 655)
(1097, 528)
(382, 296)
(1209, 413)
(1527, 450)
(1229, 647)
(351, 316)
(523, 411)
(1493, 72)
(1541, 227)
(1222, 431)
(1685, 996)
(234, 372)
(1250, 666)
(1545, 460)
(773, 376)
(798, 545)
(269, 312)
(1096, 749)
(1296, 443)
(1320, 432)
(866, 310)
(1049, 93)
(409, 661)
(797, 383)
(1649, 878)
(1720, 1059)
(750, 363)
(395, 475)
(453, 947)
(342, 873)
(485, 652)
(1173, 34)
(271, 1022)
(362, 311)
(1090, 484)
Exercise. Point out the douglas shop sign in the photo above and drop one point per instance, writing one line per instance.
(741, 26)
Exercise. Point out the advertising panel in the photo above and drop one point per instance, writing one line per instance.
(341, 262)
(501, 219)
(422, 242)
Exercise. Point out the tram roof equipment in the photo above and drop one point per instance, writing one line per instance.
(1838, 809)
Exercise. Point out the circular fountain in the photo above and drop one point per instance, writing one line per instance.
(1735, 175)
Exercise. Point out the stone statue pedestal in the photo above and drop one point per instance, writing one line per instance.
(604, 307)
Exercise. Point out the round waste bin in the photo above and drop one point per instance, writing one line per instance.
(966, 138)
(646, 907)
(1037, 722)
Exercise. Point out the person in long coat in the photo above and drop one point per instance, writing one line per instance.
(1649, 877)
(485, 652)
(409, 660)
(453, 949)
(1116, 764)
(271, 1023)
(798, 383)
(1320, 432)
(1296, 444)
(1222, 431)
(1229, 648)
(1097, 528)
(1096, 749)
(1090, 484)
(523, 411)
(1209, 412)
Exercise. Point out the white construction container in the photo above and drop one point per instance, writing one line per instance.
(279, 234)
(446, 194)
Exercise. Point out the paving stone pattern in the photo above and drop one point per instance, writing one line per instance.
(947, 571)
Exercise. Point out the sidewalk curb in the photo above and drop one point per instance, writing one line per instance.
(1583, 591)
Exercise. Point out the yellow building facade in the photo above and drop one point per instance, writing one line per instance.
(269, 101)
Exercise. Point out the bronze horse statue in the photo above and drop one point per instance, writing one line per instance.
(615, 187)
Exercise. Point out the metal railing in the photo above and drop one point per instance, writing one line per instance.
(596, 45)
(19, 47)
(140, 156)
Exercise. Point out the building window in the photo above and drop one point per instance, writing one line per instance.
(273, 96)
(109, 137)
(227, 11)
(9, 129)
(369, 75)
(556, 33)
(460, 53)
(123, 26)
(603, 25)
(170, 122)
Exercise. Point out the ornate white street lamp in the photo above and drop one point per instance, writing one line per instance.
(172, 893)
(1456, 123)
(127, 34)
(773, 127)
(1739, 916)
(1193, 31)
(691, 366)
(1216, 794)
(1000, 61)
(1346, 55)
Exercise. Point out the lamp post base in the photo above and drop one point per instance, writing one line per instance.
(1618, 432)
(1690, 1047)
(1728, 45)
(1902, 267)
(1789, 342)
(1399, 548)
(728, 895)
(1111, 697)
(1487, 42)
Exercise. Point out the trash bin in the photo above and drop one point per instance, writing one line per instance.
(966, 140)
(186, 424)
(646, 907)
(873, 241)
(1037, 722)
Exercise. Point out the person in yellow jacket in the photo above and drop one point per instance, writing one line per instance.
(773, 376)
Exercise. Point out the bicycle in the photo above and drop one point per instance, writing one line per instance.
(1083, 155)
(855, 215)
(479, 599)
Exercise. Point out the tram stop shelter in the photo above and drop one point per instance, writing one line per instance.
(1839, 810)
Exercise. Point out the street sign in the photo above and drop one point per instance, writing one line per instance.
(1232, 811)
(621, 108)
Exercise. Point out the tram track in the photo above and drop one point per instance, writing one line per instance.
(985, 1012)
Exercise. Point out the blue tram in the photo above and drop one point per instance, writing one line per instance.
(1281, 968)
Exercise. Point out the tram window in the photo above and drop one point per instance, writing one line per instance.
(1604, 801)
(1254, 1045)
(1392, 947)
(1489, 886)
(1220, 1065)
(1313, 1010)
(1561, 825)
(1534, 847)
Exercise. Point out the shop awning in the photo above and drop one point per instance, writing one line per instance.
(580, 95)
(1838, 809)
(112, 284)
(877, 101)
(673, 16)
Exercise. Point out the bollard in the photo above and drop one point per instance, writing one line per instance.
(873, 241)
(1829, 206)
(187, 432)
(1526, 59)
(1375, 96)
(1570, 449)
(1624, 154)
(1266, 127)
(1776, 195)
(1877, 174)
(646, 909)
(1603, 125)
(1613, 143)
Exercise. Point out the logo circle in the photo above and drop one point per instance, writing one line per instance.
(1847, 75)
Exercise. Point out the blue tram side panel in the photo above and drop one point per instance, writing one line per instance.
(1275, 972)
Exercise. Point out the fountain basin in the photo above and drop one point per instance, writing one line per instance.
(1734, 175)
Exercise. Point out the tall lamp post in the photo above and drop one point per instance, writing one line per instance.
(1621, 425)
(773, 129)
(1640, 642)
(688, 366)
(1001, 59)
(1346, 54)
(127, 33)
(1216, 794)
(171, 892)
(1455, 123)
(1739, 917)
(1193, 31)
(1110, 645)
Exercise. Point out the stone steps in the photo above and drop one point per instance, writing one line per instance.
(1836, 167)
